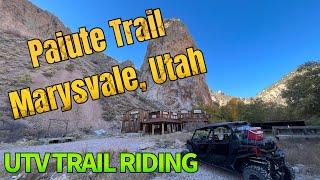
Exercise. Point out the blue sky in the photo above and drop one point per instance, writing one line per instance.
(248, 45)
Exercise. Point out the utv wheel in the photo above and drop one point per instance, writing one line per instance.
(288, 173)
(253, 172)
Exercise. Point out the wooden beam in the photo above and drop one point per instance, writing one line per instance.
(144, 128)
(152, 129)
(162, 128)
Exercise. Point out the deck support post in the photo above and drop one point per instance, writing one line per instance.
(152, 129)
(144, 128)
(162, 128)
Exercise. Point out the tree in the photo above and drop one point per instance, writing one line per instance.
(213, 111)
(255, 112)
(303, 91)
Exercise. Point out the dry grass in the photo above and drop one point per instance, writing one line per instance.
(304, 152)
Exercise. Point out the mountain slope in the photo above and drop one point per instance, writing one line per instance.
(271, 94)
(181, 94)
(21, 21)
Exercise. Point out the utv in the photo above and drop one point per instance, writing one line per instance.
(238, 147)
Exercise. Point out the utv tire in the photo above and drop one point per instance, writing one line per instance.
(253, 172)
(288, 173)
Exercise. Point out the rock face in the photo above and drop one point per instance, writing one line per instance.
(221, 99)
(181, 94)
(273, 93)
(25, 19)
(21, 21)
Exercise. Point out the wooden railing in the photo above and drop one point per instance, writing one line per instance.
(160, 119)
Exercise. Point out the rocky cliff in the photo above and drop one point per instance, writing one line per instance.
(221, 99)
(21, 21)
(181, 94)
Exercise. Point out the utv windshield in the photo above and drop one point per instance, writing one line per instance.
(239, 131)
(241, 128)
(201, 134)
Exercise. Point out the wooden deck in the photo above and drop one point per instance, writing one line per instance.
(186, 120)
(160, 122)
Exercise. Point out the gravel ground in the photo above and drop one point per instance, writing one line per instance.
(131, 144)
(91, 145)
